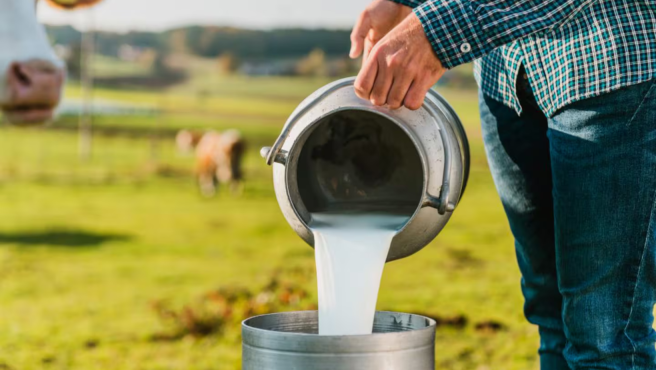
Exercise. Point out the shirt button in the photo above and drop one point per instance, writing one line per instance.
(465, 48)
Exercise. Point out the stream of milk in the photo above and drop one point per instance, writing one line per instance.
(350, 253)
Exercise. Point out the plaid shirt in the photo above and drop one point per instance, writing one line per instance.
(571, 49)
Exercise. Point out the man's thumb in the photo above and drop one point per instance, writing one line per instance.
(360, 31)
(356, 49)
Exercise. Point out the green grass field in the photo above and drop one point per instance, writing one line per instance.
(86, 248)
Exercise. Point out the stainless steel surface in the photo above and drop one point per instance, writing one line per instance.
(264, 152)
(425, 152)
(288, 341)
(300, 111)
(280, 157)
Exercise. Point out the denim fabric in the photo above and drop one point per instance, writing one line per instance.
(579, 191)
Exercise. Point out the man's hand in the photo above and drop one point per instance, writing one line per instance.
(380, 17)
(401, 68)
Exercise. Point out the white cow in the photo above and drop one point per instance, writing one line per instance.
(31, 76)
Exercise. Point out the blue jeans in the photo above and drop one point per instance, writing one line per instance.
(579, 191)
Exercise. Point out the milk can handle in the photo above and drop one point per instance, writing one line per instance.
(274, 154)
(443, 203)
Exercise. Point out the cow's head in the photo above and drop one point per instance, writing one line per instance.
(31, 76)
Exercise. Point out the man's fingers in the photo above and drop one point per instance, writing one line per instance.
(368, 45)
(382, 84)
(414, 99)
(365, 80)
(420, 86)
(399, 89)
(359, 33)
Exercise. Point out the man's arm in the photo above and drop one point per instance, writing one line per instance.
(442, 34)
(462, 30)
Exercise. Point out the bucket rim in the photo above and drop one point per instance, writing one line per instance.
(431, 325)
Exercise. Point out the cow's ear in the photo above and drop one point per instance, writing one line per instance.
(72, 4)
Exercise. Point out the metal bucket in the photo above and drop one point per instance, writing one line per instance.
(289, 341)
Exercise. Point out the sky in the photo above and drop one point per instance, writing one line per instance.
(126, 15)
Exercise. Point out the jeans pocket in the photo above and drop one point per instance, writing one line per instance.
(647, 104)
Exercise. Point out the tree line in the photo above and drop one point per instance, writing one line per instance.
(213, 41)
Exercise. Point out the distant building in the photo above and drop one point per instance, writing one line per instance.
(129, 53)
(269, 68)
(103, 107)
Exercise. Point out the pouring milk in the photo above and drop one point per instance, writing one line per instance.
(337, 154)
(350, 252)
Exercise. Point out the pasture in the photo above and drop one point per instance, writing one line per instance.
(90, 251)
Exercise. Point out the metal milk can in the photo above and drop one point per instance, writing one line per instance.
(339, 152)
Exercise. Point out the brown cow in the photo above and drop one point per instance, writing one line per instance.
(31, 76)
(186, 141)
(218, 158)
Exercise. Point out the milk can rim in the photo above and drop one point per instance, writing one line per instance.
(382, 113)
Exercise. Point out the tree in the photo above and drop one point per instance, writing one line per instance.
(228, 63)
(74, 61)
(312, 65)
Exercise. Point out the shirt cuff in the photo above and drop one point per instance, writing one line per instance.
(453, 31)
(411, 3)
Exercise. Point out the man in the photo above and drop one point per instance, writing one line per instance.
(568, 107)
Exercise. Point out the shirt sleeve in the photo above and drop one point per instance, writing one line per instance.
(410, 3)
(463, 30)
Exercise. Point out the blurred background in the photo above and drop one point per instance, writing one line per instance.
(110, 257)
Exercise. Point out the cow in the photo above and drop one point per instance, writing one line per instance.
(218, 158)
(31, 75)
(186, 141)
